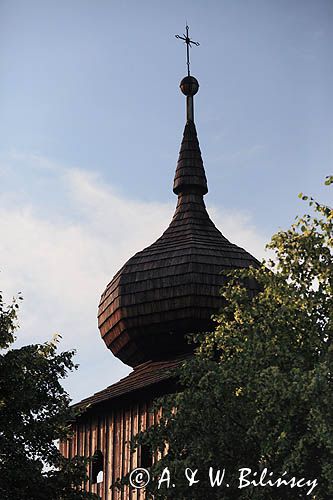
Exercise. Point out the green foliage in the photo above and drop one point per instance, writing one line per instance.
(34, 415)
(258, 393)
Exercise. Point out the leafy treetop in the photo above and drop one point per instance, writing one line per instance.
(258, 393)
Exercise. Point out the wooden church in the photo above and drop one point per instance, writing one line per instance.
(162, 293)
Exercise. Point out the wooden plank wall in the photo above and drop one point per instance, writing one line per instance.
(111, 433)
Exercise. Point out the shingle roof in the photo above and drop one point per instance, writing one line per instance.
(171, 288)
(190, 173)
(143, 376)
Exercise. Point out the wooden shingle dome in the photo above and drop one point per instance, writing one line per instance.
(171, 288)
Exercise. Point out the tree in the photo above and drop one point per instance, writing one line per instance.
(34, 414)
(257, 396)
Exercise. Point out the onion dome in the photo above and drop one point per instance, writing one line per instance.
(171, 288)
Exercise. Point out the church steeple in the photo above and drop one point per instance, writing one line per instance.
(190, 174)
(172, 287)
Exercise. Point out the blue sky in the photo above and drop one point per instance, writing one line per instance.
(91, 125)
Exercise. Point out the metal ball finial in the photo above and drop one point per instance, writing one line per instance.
(189, 86)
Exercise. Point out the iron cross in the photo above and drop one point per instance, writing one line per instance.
(188, 42)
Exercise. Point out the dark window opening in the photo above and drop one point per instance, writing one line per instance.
(97, 467)
(146, 457)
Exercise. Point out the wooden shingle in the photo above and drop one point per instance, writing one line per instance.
(171, 288)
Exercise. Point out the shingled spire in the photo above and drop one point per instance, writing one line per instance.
(172, 287)
(190, 173)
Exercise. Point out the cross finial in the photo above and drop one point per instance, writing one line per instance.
(189, 43)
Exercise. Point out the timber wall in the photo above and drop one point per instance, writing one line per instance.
(110, 433)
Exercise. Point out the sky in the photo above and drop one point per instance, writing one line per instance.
(92, 120)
